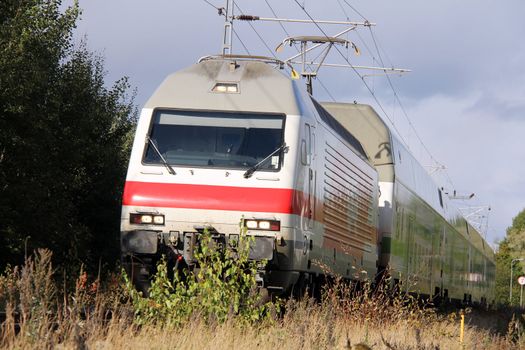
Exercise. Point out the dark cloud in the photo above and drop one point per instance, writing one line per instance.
(500, 107)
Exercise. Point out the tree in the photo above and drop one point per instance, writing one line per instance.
(518, 223)
(512, 247)
(503, 260)
(64, 138)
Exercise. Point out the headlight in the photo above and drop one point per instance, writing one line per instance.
(251, 224)
(158, 219)
(230, 88)
(146, 219)
(264, 225)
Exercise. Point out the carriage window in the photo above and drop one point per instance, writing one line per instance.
(216, 139)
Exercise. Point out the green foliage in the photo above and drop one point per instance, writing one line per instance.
(223, 286)
(503, 259)
(64, 139)
(518, 223)
(512, 247)
(516, 236)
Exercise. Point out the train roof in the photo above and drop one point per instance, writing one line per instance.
(261, 88)
(391, 159)
(373, 134)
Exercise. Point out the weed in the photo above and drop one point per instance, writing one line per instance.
(222, 286)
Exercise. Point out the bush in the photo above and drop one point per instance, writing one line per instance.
(221, 286)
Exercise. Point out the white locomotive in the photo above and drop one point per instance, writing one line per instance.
(232, 137)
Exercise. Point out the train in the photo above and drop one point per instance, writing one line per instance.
(324, 189)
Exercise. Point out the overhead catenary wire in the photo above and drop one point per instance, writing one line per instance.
(296, 48)
(280, 23)
(257, 33)
(355, 10)
(242, 43)
(221, 12)
(405, 113)
(358, 74)
(357, 32)
(398, 100)
(219, 9)
(362, 41)
(378, 50)
(396, 96)
(343, 9)
(383, 64)
(326, 90)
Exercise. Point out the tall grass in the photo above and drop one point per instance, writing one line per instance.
(41, 312)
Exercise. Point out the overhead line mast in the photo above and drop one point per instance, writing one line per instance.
(228, 27)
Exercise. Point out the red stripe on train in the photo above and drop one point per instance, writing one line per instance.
(167, 195)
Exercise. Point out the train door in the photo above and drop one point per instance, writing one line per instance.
(410, 253)
(308, 215)
(446, 272)
(469, 274)
(311, 177)
(397, 256)
(442, 257)
(438, 256)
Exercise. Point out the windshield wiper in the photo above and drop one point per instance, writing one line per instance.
(152, 143)
(254, 168)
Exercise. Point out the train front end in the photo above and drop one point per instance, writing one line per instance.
(213, 149)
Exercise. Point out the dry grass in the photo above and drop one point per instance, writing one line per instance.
(97, 316)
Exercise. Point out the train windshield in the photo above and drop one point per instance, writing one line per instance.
(215, 139)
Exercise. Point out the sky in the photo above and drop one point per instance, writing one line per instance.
(465, 96)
